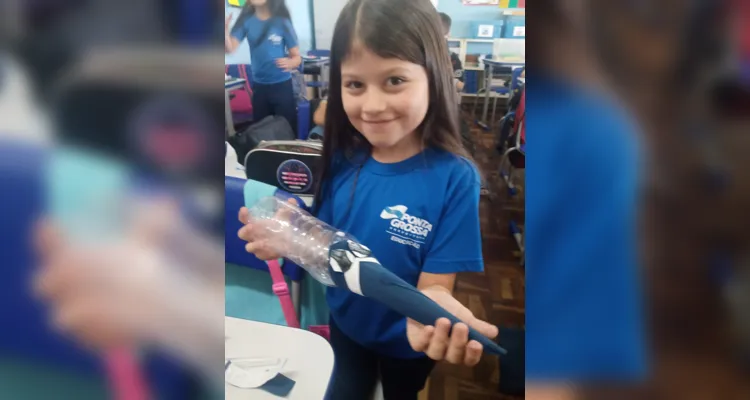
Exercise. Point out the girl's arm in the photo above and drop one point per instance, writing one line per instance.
(292, 62)
(320, 114)
(231, 43)
(295, 57)
(444, 282)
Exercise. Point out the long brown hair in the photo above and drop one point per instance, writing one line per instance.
(277, 8)
(410, 31)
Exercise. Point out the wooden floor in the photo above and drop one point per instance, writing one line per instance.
(497, 295)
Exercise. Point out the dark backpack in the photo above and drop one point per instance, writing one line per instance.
(270, 128)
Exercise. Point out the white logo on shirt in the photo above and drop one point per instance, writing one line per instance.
(275, 39)
(404, 228)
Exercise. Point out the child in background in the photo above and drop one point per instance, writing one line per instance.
(274, 51)
(458, 68)
(396, 176)
(319, 119)
(458, 79)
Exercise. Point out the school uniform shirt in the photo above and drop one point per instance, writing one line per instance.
(418, 215)
(583, 310)
(278, 38)
(458, 68)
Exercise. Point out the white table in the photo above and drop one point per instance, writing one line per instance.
(309, 357)
(230, 85)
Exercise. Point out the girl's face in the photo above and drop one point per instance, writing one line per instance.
(386, 99)
(258, 3)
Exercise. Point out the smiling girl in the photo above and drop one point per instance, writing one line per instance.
(396, 176)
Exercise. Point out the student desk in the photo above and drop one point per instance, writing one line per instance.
(323, 63)
(490, 65)
(309, 357)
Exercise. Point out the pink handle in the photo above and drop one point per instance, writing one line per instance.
(125, 375)
(281, 289)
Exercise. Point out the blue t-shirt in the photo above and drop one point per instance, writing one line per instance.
(418, 215)
(583, 310)
(279, 38)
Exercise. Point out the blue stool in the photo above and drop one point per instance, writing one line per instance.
(303, 119)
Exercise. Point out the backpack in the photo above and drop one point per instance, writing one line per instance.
(273, 127)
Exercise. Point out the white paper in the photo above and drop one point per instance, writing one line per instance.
(486, 31)
(251, 373)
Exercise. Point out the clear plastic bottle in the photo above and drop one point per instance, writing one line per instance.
(297, 236)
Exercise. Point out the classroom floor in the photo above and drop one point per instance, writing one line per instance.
(497, 295)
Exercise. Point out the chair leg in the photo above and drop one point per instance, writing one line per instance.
(494, 109)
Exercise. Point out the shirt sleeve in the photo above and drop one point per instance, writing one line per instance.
(325, 212)
(290, 37)
(239, 30)
(457, 242)
(583, 316)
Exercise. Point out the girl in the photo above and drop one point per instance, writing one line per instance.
(396, 176)
(267, 26)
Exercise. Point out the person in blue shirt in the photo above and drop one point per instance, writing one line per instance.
(396, 176)
(274, 53)
(584, 322)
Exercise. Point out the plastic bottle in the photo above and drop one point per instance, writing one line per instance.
(298, 236)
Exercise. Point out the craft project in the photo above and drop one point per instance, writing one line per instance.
(336, 258)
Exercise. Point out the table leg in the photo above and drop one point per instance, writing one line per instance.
(228, 114)
(487, 89)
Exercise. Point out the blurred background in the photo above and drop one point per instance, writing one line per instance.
(107, 111)
(680, 66)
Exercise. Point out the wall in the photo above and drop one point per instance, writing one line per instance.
(463, 16)
(326, 14)
(300, 11)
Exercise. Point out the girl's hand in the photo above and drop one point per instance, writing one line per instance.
(260, 240)
(226, 24)
(230, 43)
(440, 342)
(104, 296)
(287, 64)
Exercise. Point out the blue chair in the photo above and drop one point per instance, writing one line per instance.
(26, 335)
(507, 91)
(235, 247)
